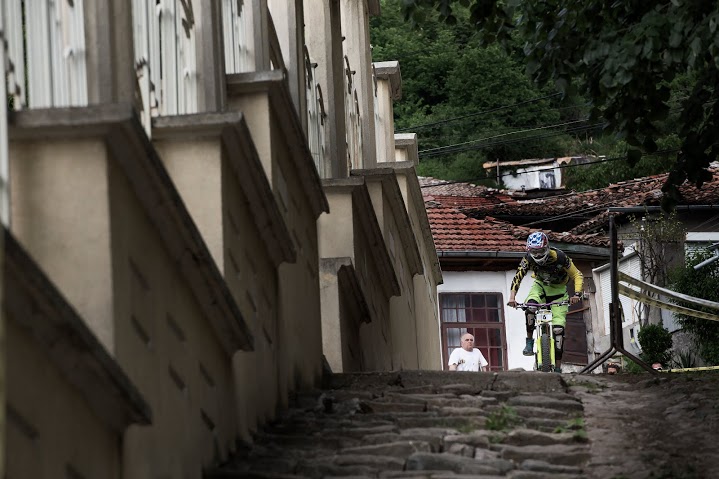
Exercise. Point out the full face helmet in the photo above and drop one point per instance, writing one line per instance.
(538, 247)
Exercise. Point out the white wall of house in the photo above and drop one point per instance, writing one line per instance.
(533, 177)
(496, 282)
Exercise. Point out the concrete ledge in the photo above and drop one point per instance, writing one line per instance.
(231, 129)
(390, 71)
(34, 303)
(390, 187)
(135, 155)
(274, 83)
(362, 206)
(407, 142)
(414, 193)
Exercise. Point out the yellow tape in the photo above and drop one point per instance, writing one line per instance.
(684, 370)
(643, 298)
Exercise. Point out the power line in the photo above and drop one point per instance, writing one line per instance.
(459, 149)
(439, 148)
(476, 113)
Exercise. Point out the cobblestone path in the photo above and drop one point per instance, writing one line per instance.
(432, 425)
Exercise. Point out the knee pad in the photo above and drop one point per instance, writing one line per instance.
(558, 341)
(530, 315)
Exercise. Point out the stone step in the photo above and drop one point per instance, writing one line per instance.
(530, 437)
(458, 464)
(546, 402)
(559, 454)
(401, 449)
(423, 424)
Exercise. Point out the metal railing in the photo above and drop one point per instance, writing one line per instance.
(237, 36)
(165, 57)
(315, 115)
(46, 56)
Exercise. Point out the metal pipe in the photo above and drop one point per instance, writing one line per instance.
(707, 262)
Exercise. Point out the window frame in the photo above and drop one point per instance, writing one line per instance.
(474, 325)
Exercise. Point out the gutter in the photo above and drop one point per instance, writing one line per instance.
(481, 254)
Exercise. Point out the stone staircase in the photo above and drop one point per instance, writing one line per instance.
(423, 424)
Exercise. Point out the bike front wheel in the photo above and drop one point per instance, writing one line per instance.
(546, 358)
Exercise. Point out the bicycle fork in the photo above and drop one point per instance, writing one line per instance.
(544, 331)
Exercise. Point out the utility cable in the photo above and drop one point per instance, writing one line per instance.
(476, 113)
(458, 149)
(502, 135)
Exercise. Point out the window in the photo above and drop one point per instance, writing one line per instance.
(480, 314)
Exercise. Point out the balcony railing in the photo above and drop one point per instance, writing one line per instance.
(315, 115)
(352, 119)
(45, 53)
(165, 57)
(237, 35)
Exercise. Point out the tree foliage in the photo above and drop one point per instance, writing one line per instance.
(702, 283)
(458, 92)
(658, 242)
(623, 56)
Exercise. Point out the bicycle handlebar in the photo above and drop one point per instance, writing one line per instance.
(541, 305)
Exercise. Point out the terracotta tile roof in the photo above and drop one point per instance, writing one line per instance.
(432, 186)
(642, 191)
(454, 231)
(461, 195)
(462, 202)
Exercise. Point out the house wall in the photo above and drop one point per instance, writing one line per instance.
(165, 344)
(345, 240)
(60, 212)
(376, 336)
(298, 283)
(514, 321)
(403, 328)
(426, 310)
(41, 420)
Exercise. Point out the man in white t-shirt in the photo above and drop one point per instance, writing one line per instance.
(467, 358)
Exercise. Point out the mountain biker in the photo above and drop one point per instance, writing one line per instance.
(553, 270)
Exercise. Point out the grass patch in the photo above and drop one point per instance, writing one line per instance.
(466, 428)
(590, 387)
(575, 426)
(502, 419)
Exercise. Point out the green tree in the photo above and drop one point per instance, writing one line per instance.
(623, 56)
(702, 283)
(457, 92)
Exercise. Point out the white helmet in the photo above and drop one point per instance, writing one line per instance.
(538, 247)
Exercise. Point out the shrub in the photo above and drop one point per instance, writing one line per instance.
(702, 283)
(656, 342)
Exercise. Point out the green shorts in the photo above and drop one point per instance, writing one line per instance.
(546, 293)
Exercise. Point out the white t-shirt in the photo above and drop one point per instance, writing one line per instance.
(467, 360)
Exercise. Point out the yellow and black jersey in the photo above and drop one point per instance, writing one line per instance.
(558, 269)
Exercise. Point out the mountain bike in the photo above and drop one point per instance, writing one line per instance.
(543, 334)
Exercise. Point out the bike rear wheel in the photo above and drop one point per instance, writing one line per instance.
(546, 358)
